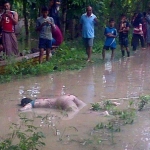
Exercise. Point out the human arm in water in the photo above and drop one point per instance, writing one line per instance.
(26, 107)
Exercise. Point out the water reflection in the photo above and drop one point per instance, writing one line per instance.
(31, 92)
(109, 77)
(120, 80)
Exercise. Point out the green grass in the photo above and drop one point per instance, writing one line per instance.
(66, 58)
(69, 56)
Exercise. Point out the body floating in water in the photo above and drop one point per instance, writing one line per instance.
(66, 102)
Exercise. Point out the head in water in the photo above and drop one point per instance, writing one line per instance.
(25, 101)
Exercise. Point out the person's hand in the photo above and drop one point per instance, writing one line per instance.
(44, 23)
(95, 19)
(110, 35)
(8, 14)
(49, 22)
(21, 109)
(124, 29)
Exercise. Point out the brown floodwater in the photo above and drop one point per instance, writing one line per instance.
(119, 80)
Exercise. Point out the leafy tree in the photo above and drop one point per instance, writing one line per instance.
(72, 9)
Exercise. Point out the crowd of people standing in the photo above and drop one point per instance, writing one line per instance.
(139, 26)
(48, 26)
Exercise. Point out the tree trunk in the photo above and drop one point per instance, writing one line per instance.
(72, 31)
(64, 16)
(25, 17)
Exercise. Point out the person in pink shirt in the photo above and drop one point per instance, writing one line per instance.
(57, 36)
(138, 34)
(144, 25)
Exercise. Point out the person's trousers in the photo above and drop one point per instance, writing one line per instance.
(135, 41)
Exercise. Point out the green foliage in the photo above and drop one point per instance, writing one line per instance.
(104, 9)
(127, 116)
(66, 57)
(114, 125)
(143, 101)
(98, 46)
(111, 126)
(99, 126)
(96, 107)
(23, 137)
(106, 105)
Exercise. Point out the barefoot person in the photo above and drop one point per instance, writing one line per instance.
(8, 21)
(110, 42)
(44, 25)
(65, 102)
(138, 33)
(123, 35)
(87, 23)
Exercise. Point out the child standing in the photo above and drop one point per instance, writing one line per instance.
(44, 25)
(123, 35)
(110, 42)
(138, 33)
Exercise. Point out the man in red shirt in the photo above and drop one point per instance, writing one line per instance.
(1, 12)
(8, 21)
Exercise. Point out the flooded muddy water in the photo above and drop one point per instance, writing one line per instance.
(118, 80)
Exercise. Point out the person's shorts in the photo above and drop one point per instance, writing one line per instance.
(45, 43)
(123, 41)
(108, 47)
(88, 42)
(0, 41)
(53, 41)
(32, 103)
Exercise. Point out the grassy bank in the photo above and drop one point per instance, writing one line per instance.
(69, 56)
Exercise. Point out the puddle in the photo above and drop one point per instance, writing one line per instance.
(119, 80)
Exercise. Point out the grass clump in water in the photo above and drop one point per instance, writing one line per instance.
(143, 101)
(24, 136)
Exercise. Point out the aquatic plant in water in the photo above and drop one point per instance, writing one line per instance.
(143, 101)
(122, 117)
(24, 136)
(95, 107)
(105, 105)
